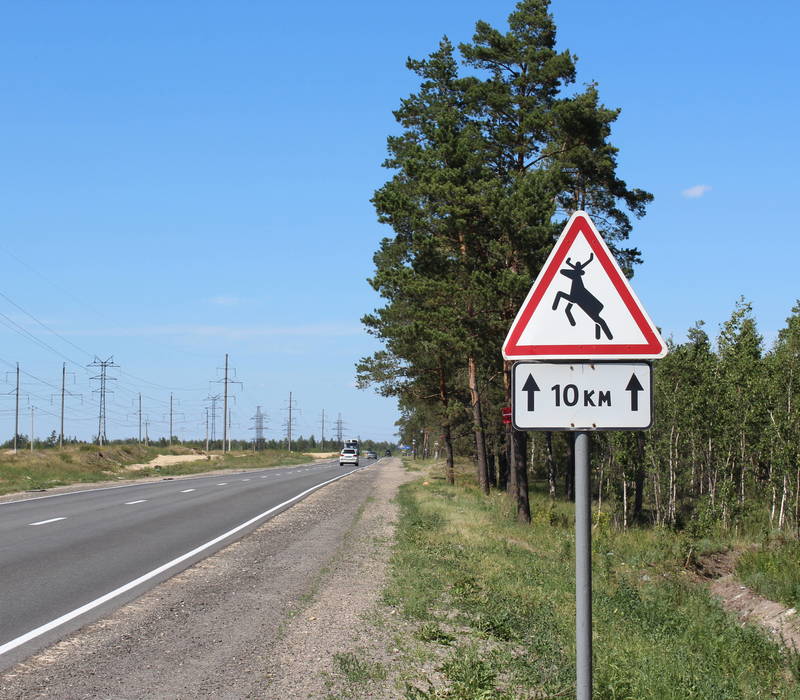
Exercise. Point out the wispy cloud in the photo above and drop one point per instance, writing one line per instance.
(696, 191)
(233, 332)
(224, 300)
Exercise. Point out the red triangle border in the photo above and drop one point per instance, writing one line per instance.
(654, 347)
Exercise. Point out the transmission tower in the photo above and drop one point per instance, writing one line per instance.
(103, 377)
(339, 429)
(213, 399)
(258, 426)
(323, 431)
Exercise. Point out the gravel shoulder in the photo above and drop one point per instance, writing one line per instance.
(275, 615)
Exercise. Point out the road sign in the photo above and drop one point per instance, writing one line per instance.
(582, 395)
(581, 306)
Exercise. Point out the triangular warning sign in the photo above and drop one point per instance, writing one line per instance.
(581, 306)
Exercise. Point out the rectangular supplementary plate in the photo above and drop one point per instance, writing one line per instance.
(584, 395)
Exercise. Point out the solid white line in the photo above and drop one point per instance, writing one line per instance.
(28, 636)
(44, 522)
(187, 490)
(133, 503)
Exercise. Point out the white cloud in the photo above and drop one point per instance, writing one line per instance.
(696, 191)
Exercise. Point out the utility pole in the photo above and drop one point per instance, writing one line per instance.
(225, 414)
(290, 421)
(230, 425)
(146, 435)
(104, 365)
(32, 410)
(63, 387)
(16, 414)
(206, 428)
(140, 418)
(323, 430)
(170, 419)
(64, 394)
(225, 407)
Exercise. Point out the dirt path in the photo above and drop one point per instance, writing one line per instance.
(271, 616)
(779, 620)
(166, 460)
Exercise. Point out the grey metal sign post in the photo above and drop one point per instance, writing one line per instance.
(583, 568)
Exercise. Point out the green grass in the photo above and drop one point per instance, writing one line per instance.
(46, 468)
(773, 571)
(503, 594)
(356, 669)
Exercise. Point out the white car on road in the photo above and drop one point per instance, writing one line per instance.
(348, 456)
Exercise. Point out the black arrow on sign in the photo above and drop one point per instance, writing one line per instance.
(634, 386)
(531, 387)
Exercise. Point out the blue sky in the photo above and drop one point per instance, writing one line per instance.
(179, 180)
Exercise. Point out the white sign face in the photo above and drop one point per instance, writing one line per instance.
(581, 306)
(582, 395)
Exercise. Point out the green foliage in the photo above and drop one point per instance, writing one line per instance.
(505, 594)
(773, 571)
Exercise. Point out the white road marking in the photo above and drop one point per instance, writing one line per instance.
(133, 503)
(44, 522)
(224, 483)
(264, 477)
(244, 479)
(28, 636)
(187, 490)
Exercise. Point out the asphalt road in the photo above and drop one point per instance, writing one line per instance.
(71, 558)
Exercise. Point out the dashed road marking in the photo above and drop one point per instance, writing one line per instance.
(133, 503)
(44, 522)
(187, 490)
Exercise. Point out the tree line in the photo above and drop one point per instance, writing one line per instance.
(497, 147)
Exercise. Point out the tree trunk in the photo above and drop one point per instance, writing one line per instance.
(450, 472)
(551, 464)
(477, 424)
(444, 397)
(502, 461)
(638, 478)
(491, 472)
(569, 471)
(521, 469)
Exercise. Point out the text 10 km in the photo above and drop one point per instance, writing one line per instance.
(570, 395)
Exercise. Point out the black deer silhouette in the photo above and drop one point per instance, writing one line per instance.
(578, 294)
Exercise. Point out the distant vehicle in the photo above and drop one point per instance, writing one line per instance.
(388, 453)
(348, 456)
(352, 444)
(371, 455)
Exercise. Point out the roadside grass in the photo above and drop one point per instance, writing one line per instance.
(353, 675)
(494, 605)
(773, 571)
(47, 468)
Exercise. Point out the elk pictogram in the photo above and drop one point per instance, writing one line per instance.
(578, 294)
